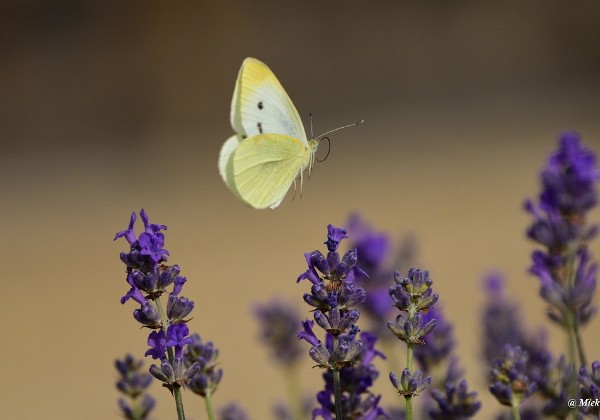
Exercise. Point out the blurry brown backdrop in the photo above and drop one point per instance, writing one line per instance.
(108, 107)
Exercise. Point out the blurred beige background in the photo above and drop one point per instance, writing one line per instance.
(108, 107)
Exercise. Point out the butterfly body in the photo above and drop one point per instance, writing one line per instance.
(270, 148)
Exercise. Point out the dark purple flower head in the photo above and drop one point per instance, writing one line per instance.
(568, 179)
(509, 381)
(278, 323)
(205, 355)
(158, 345)
(146, 250)
(332, 268)
(455, 403)
(413, 292)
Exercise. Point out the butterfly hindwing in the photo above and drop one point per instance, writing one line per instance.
(265, 166)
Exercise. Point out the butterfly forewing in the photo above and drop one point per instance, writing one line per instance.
(260, 105)
(264, 167)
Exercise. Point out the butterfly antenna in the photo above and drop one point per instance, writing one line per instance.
(339, 128)
(311, 126)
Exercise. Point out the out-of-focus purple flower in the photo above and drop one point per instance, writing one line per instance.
(455, 403)
(568, 194)
(158, 345)
(589, 389)
(373, 248)
(205, 355)
(503, 324)
(132, 383)
(568, 179)
(278, 323)
(553, 386)
(232, 411)
(509, 381)
(375, 257)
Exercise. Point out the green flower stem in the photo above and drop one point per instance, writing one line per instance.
(579, 342)
(409, 366)
(516, 415)
(209, 407)
(337, 386)
(171, 356)
(293, 390)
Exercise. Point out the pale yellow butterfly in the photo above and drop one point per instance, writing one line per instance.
(269, 149)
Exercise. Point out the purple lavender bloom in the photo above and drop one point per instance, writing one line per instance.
(413, 291)
(568, 193)
(133, 383)
(232, 411)
(455, 403)
(509, 381)
(568, 180)
(357, 399)
(278, 325)
(205, 355)
(589, 389)
(158, 345)
(409, 384)
(331, 267)
(177, 338)
(147, 250)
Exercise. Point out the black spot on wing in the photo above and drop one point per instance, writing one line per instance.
(260, 129)
(260, 105)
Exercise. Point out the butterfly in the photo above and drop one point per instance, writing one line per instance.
(269, 149)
